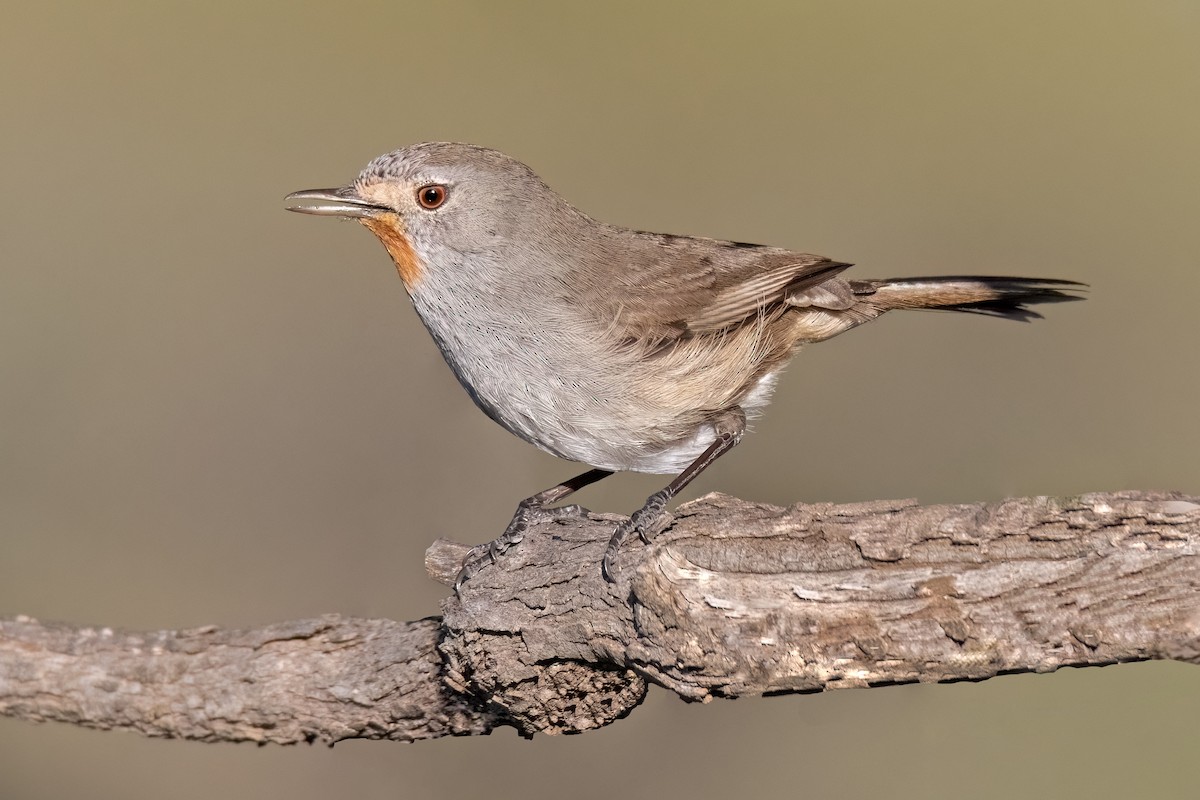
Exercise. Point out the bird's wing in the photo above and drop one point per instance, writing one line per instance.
(673, 286)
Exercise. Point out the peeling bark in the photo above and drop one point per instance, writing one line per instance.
(733, 599)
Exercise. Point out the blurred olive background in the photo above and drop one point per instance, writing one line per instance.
(213, 411)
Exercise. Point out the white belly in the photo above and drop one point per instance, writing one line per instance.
(571, 408)
(620, 455)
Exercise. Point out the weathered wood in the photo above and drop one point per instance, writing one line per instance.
(313, 680)
(737, 599)
(733, 599)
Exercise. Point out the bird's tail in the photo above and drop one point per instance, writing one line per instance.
(1009, 298)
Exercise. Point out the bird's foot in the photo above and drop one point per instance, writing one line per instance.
(648, 521)
(527, 516)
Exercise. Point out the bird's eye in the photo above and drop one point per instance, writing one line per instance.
(432, 196)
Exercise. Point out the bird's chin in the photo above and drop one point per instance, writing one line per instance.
(389, 229)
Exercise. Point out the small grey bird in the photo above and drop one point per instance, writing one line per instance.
(621, 349)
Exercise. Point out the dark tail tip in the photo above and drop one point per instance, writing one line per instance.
(1017, 294)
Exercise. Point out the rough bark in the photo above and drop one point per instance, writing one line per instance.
(733, 599)
(312, 680)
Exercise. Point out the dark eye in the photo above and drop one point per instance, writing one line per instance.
(432, 196)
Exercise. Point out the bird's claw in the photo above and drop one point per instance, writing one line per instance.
(647, 522)
(481, 555)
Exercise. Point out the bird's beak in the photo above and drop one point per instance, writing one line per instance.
(343, 202)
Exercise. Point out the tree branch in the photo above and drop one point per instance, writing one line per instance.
(733, 599)
(323, 679)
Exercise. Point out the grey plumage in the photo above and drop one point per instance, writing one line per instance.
(622, 349)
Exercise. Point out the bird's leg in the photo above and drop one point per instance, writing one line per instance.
(647, 520)
(530, 511)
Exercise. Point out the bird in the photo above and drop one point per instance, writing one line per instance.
(622, 349)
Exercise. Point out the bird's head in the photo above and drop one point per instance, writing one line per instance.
(441, 206)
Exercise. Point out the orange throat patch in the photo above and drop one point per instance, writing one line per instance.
(390, 230)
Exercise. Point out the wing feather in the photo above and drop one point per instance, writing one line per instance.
(675, 286)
